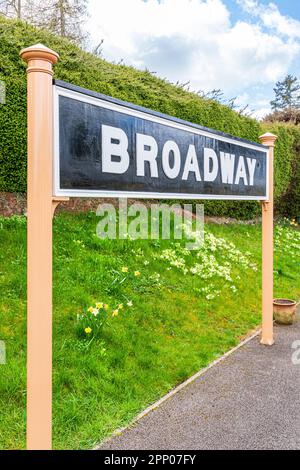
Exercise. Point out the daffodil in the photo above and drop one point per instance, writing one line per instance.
(137, 273)
(115, 313)
(90, 309)
(124, 269)
(99, 305)
(129, 303)
(105, 306)
(88, 330)
(120, 306)
(95, 311)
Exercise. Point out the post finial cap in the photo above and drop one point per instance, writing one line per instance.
(39, 51)
(268, 139)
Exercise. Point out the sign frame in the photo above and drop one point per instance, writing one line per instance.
(61, 88)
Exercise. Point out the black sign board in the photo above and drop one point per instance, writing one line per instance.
(109, 148)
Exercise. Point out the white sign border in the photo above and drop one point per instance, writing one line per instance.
(57, 191)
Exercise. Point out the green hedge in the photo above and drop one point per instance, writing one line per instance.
(288, 202)
(127, 83)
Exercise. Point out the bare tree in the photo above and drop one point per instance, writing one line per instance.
(11, 8)
(62, 17)
(97, 49)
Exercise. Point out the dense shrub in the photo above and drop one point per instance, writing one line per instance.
(289, 115)
(84, 69)
(284, 155)
(289, 202)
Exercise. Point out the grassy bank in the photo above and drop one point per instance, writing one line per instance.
(187, 309)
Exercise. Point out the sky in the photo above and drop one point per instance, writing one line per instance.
(239, 46)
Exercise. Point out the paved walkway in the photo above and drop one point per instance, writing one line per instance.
(251, 400)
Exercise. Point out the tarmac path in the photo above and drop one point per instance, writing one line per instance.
(250, 400)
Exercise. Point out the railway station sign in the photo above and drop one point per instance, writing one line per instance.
(106, 147)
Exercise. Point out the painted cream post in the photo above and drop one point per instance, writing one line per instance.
(267, 248)
(40, 209)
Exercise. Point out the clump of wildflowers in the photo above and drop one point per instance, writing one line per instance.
(216, 259)
(91, 322)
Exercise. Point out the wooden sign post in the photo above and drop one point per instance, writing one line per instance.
(267, 249)
(39, 244)
(227, 156)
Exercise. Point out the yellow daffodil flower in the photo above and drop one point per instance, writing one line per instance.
(99, 305)
(124, 269)
(137, 273)
(90, 309)
(88, 330)
(120, 306)
(115, 313)
(105, 306)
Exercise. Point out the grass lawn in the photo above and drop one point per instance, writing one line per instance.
(188, 309)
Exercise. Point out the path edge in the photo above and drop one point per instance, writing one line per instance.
(178, 388)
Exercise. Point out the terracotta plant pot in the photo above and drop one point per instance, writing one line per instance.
(284, 311)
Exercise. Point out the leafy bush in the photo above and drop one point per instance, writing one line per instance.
(140, 87)
(289, 115)
(289, 202)
(284, 156)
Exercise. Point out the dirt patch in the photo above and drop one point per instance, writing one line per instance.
(12, 204)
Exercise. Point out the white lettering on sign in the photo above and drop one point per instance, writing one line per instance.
(191, 164)
(227, 167)
(146, 151)
(251, 162)
(171, 147)
(241, 172)
(210, 165)
(114, 144)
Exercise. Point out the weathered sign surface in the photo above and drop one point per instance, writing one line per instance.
(106, 147)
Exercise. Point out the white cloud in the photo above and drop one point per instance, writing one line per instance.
(271, 18)
(261, 113)
(195, 40)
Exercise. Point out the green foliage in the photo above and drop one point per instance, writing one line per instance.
(283, 158)
(287, 94)
(289, 203)
(13, 125)
(244, 210)
(286, 168)
(142, 88)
